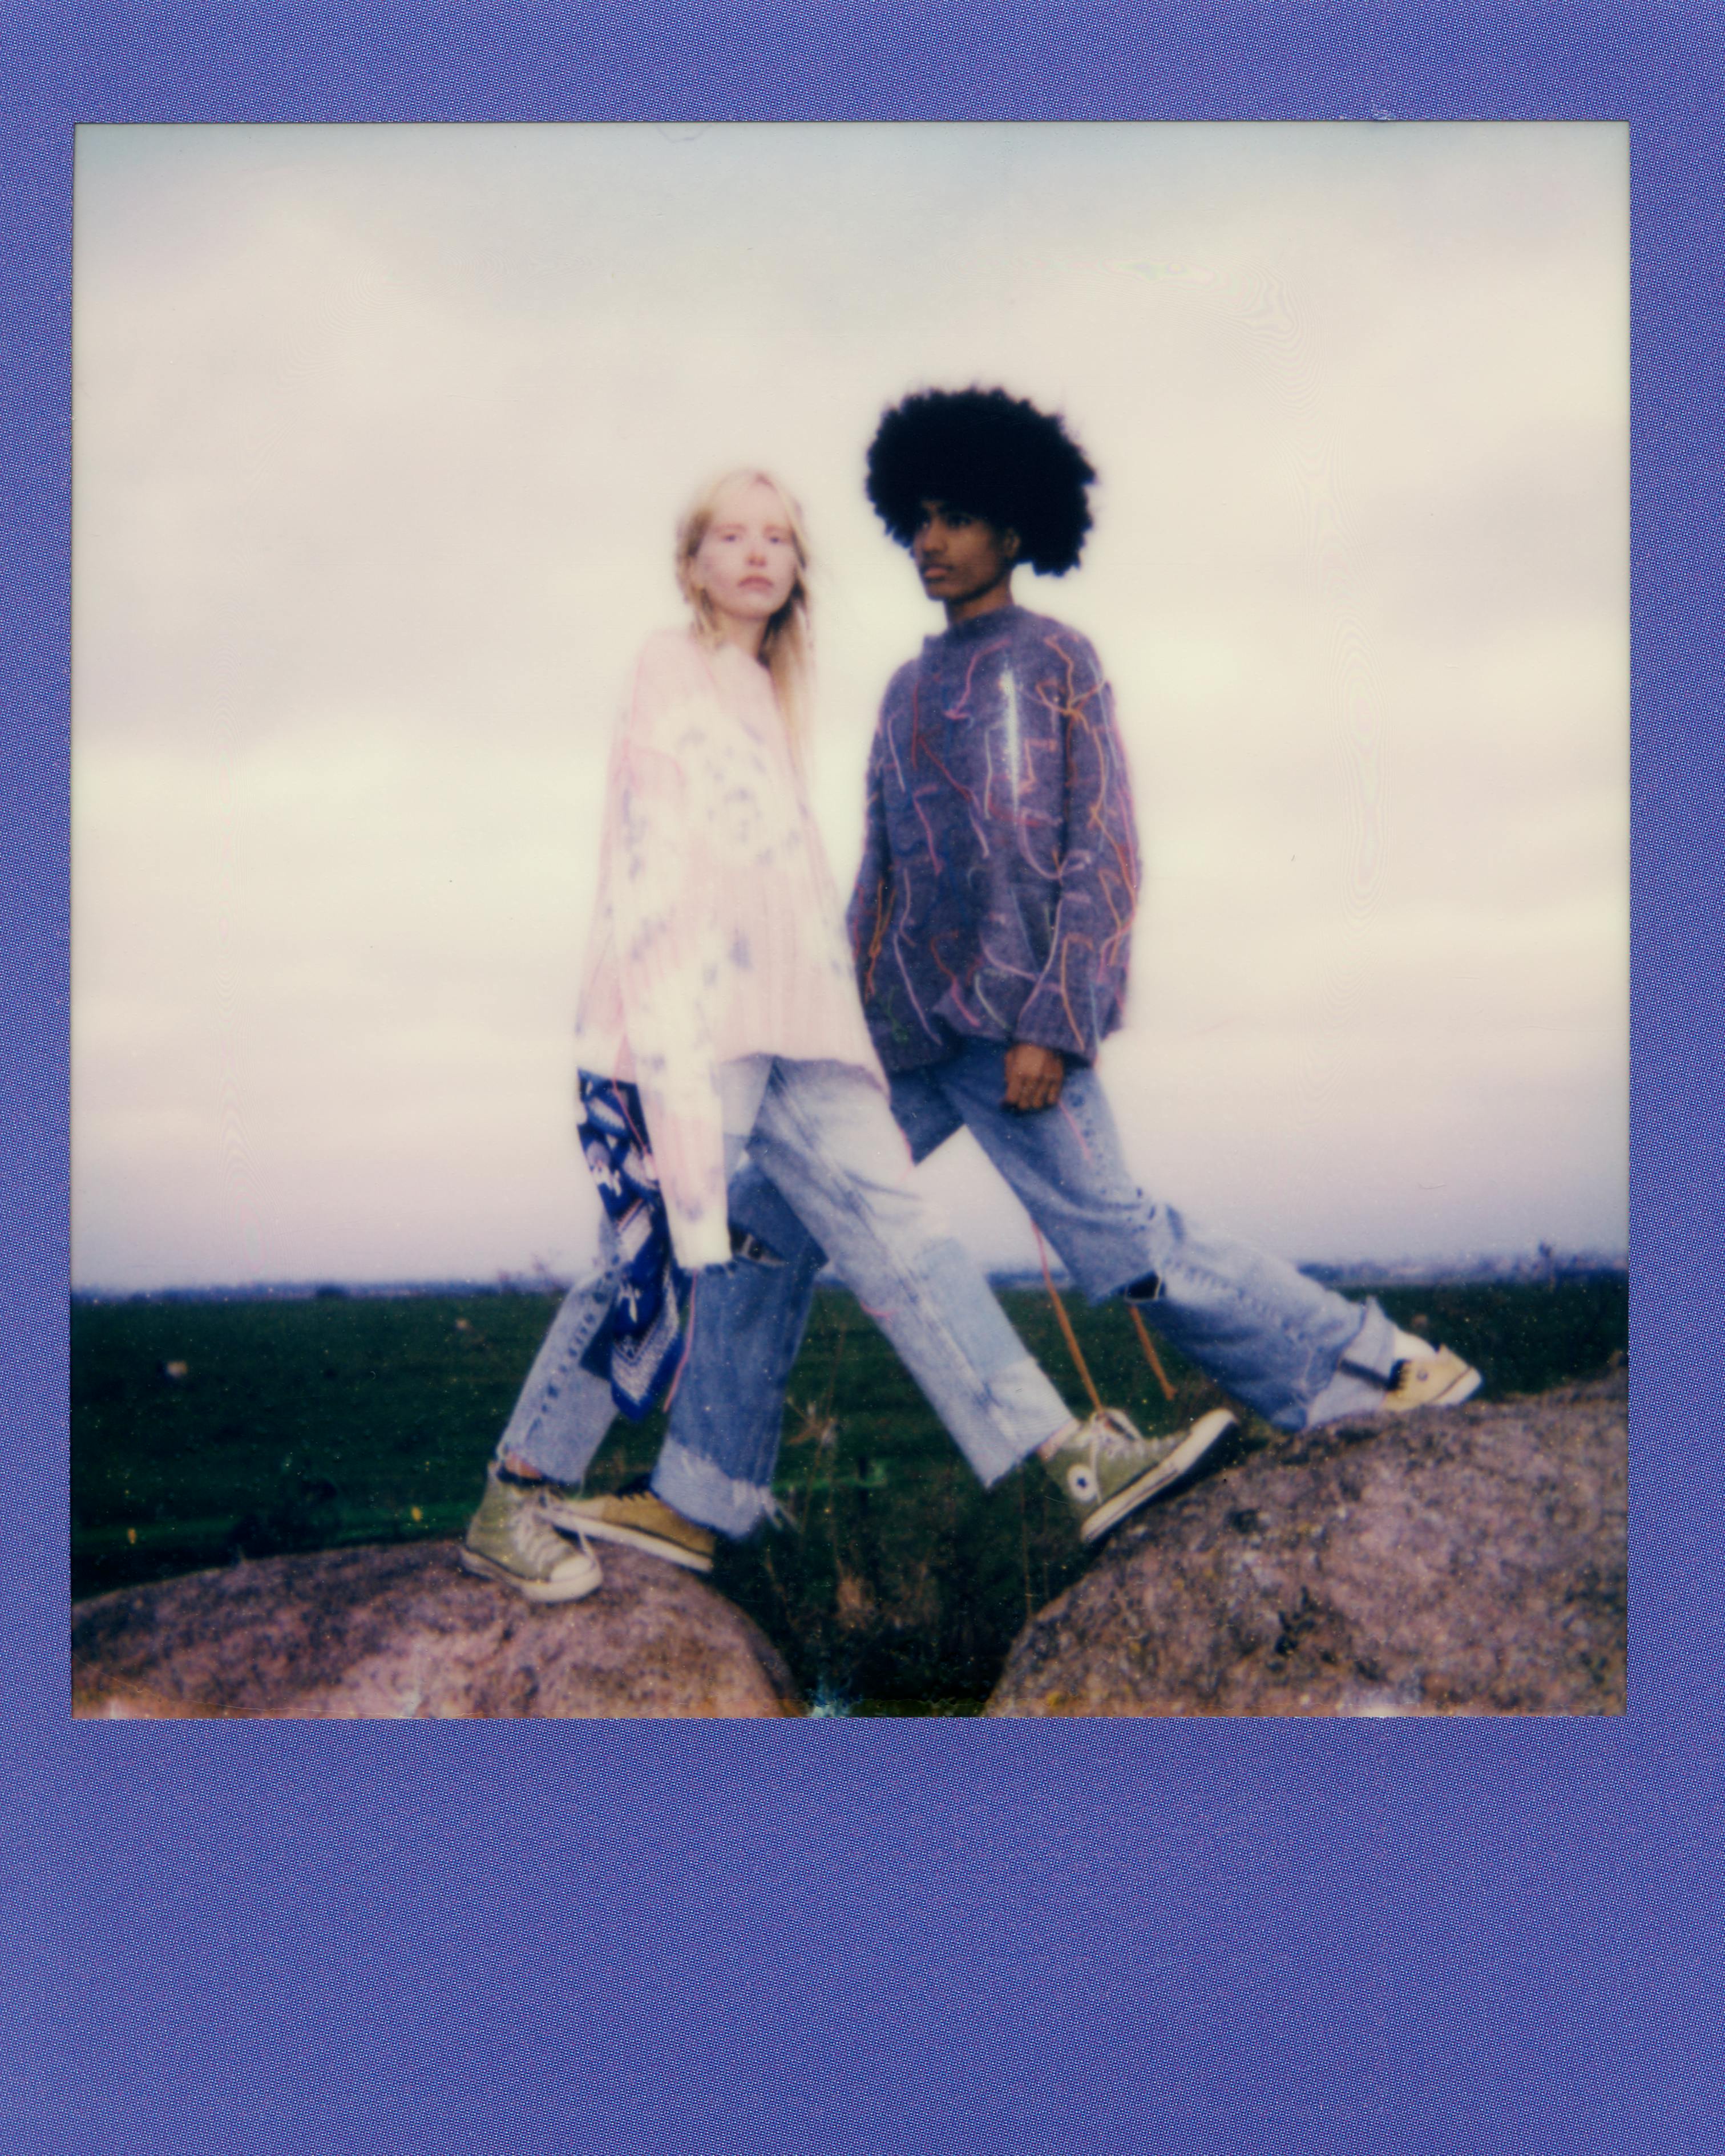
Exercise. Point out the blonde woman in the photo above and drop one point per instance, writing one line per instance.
(719, 1013)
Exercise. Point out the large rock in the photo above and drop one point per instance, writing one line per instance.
(404, 1631)
(1462, 1561)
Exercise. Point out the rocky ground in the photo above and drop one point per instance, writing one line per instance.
(1460, 1561)
(402, 1631)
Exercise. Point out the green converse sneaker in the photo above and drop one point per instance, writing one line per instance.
(1107, 1470)
(510, 1539)
(635, 1514)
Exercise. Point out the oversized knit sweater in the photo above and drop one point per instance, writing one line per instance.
(718, 932)
(1001, 864)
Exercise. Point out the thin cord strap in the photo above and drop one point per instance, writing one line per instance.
(1071, 1337)
(1150, 1350)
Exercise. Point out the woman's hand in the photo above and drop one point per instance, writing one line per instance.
(1034, 1077)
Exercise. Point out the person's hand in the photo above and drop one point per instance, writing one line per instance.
(1034, 1077)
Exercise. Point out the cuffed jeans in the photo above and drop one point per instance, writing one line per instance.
(1296, 1352)
(830, 1173)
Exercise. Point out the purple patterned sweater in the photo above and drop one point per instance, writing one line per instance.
(1000, 863)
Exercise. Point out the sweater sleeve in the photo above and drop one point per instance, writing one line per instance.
(663, 929)
(870, 911)
(1077, 998)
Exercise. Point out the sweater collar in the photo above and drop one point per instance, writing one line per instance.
(958, 634)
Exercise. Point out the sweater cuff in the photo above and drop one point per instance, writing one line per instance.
(700, 1242)
(1044, 1024)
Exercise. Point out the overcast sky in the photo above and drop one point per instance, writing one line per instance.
(379, 436)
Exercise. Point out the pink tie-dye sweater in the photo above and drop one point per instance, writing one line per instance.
(718, 932)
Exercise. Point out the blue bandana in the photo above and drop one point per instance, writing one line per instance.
(650, 1308)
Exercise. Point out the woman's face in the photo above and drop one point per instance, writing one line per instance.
(747, 562)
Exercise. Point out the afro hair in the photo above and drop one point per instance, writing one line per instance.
(992, 455)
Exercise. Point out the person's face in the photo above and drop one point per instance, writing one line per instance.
(964, 562)
(746, 560)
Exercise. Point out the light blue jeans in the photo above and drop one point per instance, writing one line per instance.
(831, 1171)
(1297, 1353)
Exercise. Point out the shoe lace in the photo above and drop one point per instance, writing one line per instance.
(535, 1537)
(1108, 1438)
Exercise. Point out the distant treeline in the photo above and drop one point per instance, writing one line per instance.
(1545, 1264)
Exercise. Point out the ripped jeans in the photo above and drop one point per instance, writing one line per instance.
(1297, 1353)
(830, 1173)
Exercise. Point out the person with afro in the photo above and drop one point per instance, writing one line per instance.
(991, 924)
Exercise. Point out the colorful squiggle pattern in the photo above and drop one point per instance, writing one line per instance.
(1001, 864)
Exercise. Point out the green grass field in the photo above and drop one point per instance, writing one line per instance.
(897, 1590)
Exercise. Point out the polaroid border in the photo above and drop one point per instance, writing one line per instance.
(1374, 1936)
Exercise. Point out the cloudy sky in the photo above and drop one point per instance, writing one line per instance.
(379, 436)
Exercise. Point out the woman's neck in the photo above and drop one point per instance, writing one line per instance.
(746, 636)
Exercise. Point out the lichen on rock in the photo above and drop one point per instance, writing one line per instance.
(1462, 1561)
(402, 1631)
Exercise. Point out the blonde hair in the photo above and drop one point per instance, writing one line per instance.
(787, 647)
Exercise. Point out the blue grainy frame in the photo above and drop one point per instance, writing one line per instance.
(1387, 1937)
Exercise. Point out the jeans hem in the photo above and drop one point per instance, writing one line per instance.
(1372, 1351)
(690, 1484)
